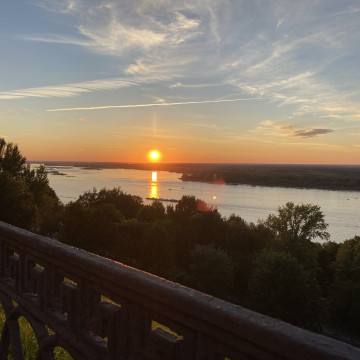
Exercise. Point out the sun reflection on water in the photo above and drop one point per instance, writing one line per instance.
(154, 192)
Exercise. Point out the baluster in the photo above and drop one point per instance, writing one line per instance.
(163, 345)
(14, 272)
(71, 305)
(2, 259)
(189, 341)
(110, 325)
(89, 300)
(139, 328)
(52, 283)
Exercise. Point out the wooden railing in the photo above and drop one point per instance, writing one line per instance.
(98, 309)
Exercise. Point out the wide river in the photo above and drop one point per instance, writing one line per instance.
(341, 208)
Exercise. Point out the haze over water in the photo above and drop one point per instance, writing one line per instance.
(250, 202)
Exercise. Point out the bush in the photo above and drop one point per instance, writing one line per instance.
(211, 271)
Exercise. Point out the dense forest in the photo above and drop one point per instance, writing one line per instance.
(295, 176)
(274, 266)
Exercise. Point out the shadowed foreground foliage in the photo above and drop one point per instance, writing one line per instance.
(273, 267)
(26, 198)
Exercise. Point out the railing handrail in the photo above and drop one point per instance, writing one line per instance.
(233, 326)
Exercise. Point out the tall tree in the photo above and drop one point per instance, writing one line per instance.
(11, 159)
(298, 223)
(26, 198)
(345, 293)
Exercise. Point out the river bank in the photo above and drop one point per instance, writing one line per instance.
(322, 177)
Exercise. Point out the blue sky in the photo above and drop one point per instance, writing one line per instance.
(262, 81)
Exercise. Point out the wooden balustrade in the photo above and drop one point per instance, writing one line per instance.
(98, 309)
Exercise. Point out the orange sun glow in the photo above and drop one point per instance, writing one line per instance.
(154, 155)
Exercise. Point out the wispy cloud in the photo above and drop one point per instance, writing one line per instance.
(110, 27)
(153, 104)
(290, 55)
(152, 37)
(68, 90)
(64, 7)
(297, 64)
(117, 37)
(194, 86)
(204, 125)
(311, 133)
(57, 39)
(285, 130)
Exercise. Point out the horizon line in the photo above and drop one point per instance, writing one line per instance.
(184, 163)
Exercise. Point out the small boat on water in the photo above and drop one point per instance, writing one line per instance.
(162, 199)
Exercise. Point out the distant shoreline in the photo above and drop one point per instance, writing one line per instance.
(321, 177)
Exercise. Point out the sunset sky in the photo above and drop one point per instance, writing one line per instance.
(235, 81)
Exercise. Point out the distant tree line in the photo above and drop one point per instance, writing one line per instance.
(273, 266)
(294, 176)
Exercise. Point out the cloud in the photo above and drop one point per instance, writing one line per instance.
(150, 37)
(160, 101)
(311, 133)
(68, 90)
(115, 37)
(63, 7)
(296, 54)
(110, 27)
(56, 39)
(181, 85)
(285, 130)
(152, 104)
(169, 66)
(298, 63)
(206, 126)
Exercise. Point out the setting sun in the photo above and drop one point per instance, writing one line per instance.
(154, 155)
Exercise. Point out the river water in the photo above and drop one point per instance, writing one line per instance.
(341, 208)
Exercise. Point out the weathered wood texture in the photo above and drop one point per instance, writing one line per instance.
(98, 309)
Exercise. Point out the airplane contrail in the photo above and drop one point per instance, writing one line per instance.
(152, 104)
